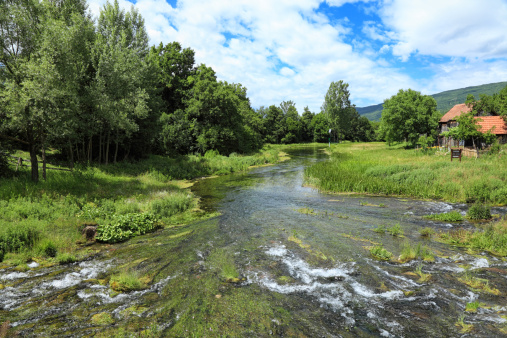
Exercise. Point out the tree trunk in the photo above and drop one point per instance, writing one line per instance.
(90, 150)
(116, 149)
(107, 146)
(71, 156)
(34, 163)
(100, 147)
(43, 158)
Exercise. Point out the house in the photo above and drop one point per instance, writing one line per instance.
(448, 121)
(493, 123)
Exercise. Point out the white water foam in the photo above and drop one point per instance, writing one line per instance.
(333, 288)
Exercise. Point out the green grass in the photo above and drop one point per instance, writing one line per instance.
(127, 281)
(473, 306)
(479, 212)
(453, 216)
(410, 252)
(55, 210)
(492, 238)
(375, 168)
(426, 232)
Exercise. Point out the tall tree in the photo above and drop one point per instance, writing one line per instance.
(337, 109)
(40, 49)
(407, 115)
(119, 56)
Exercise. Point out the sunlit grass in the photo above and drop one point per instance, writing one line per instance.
(375, 168)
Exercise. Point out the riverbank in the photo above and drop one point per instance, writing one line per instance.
(45, 222)
(375, 168)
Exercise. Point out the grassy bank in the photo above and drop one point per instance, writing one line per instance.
(375, 168)
(45, 221)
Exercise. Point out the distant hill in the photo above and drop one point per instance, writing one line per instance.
(445, 100)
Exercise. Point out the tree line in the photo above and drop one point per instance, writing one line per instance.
(98, 93)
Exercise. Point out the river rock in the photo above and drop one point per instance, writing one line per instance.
(90, 231)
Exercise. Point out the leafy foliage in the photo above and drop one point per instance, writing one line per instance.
(453, 216)
(407, 115)
(122, 227)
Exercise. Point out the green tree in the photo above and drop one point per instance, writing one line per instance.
(306, 121)
(119, 53)
(337, 109)
(468, 129)
(407, 115)
(43, 48)
(320, 127)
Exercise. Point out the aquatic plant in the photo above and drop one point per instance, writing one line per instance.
(474, 282)
(453, 216)
(426, 232)
(465, 328)
(493, 238)
(410, 252)
(479, 212)
(380, 252)
(381, 229)
(473, 306)
(424, 277)
(127, 281)
(395, 230)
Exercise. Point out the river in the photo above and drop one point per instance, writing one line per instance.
(281, 259)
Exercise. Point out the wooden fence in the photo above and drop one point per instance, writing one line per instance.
(19, 162)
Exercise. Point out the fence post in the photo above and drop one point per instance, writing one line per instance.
(20, 163)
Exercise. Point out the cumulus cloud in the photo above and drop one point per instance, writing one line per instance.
(455, 28)
(279, 50)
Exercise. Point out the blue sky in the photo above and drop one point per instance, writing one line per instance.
(293, 49)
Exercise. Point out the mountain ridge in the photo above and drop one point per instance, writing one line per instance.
(445, 100)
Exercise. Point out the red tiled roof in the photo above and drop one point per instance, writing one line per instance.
(455, 111)
(488, 122)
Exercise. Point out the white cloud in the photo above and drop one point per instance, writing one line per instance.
(455, 28)
(339, 3)
(279, 50)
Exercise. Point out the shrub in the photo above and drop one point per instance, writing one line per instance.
(17, 238)
(479, 212)
(122, 227)
(48, 248)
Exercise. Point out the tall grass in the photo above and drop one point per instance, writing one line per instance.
(375, 168)
(46, 218)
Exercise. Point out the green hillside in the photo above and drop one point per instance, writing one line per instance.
(445, 100)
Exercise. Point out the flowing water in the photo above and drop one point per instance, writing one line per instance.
(281, 259)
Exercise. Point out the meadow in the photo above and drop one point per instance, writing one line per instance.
(376, 168)
(43, 221)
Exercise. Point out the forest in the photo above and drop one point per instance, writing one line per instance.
(96, 92)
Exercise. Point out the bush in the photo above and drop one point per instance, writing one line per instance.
(479, 212)
(122, 227)
(48, 248)
(15, 239)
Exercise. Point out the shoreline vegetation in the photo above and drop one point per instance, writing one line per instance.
(48, 222)
(377, 169)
